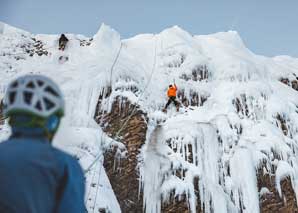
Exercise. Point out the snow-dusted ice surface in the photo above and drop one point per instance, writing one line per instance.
(211, 144)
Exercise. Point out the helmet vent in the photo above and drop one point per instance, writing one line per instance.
(30, 85)
(28, 97)
(40, 83)
(14, 84)
(49, 104)
(51, 91)
(38, 105)
(34, 95)
(12, 97)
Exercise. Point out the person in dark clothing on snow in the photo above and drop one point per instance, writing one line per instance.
(35, 177)
(62, 42)
(172, 97)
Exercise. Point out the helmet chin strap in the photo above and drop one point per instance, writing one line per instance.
(51, 126)
(52, 123)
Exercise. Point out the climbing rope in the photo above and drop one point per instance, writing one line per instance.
(145, 88)
(98, 159)
(113, 65)
(89, 190)
(135, 107)
(99, 155)
(97, 188)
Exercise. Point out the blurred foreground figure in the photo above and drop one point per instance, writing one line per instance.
(35, 177)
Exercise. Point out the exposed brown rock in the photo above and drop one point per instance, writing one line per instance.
(199, 73)
(284, 81)
(36, 48)
(181, 204)
(84, 43)
(271, 202)
(293, 83)
(195, 98)
(124, 176)
(241, 105)
(281, 122)
(176, 205)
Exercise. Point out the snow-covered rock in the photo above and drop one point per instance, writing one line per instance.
(239, 113)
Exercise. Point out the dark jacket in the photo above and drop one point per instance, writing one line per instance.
(63, 39)
(38, 178)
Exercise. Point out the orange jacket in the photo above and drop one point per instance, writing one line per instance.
(172, 91)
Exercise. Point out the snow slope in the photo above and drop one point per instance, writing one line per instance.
(228, 145)
(79, 79)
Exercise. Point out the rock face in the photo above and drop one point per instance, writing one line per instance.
(127, 123)
(199, 73)
(84, 43)
(293, 83)
(193, 98)
(176, 206)
(271, 202)
(123, 173)
(227, 87)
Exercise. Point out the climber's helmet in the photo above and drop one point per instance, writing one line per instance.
(34, 101)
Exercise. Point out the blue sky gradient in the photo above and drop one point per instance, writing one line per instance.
(267, 27)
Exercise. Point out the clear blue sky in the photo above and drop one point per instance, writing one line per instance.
(268, 27)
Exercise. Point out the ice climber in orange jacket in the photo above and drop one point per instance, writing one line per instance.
(172, 97)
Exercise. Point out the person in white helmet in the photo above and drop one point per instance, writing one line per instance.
(35, 177)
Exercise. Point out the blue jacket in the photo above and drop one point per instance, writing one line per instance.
(38, 178)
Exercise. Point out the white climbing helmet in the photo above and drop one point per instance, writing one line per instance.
(33, 94)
